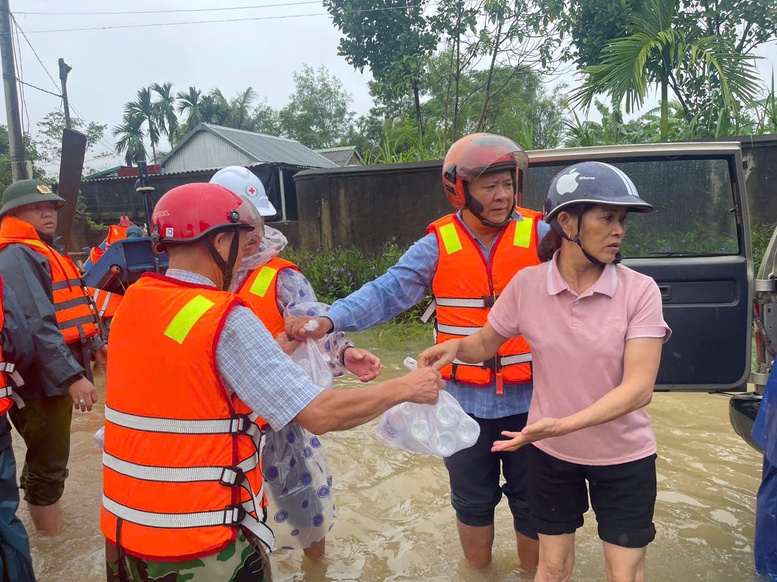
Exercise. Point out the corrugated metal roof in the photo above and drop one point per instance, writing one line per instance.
(259, 147)
(341, 155)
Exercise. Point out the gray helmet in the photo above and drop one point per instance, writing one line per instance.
(25, 192)
(592, 183)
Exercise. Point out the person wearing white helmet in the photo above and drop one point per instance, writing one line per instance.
(276, 288)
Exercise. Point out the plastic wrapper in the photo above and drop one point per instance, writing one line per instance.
(99, 437)
(311, 358)
(435, 429)
(298, 484)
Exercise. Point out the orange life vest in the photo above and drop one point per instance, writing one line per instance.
(115, 232)
(106, 303)
(181, 470)
(6, 368)
(466, 285)
(75, 310)
(260, 290)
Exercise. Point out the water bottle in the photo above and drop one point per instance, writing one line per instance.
(444, 443)
(394, 426)
(468, 432)
(420, 431)
(444, 413)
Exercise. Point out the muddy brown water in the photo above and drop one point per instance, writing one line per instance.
(395, 521)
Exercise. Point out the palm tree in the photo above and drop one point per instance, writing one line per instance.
(168, 120)
(147, 111)
(240, 109)
(657, 51)
(190, 104)
(131, 136)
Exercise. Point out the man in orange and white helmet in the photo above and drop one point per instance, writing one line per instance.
(182, 482)
(488, 237)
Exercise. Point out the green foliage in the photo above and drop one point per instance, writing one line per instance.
(317, 114)
(30, 153)
(51, 128)
(761, 235)
(656, 51)
(338, 273)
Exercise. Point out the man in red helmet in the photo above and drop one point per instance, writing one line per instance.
(489, 238)
(182, 482)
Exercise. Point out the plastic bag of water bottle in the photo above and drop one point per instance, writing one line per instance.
(298, 484)
(314, 362)
(436, 429)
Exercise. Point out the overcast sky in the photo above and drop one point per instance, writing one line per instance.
(260, 47)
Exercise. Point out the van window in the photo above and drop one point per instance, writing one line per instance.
(693, 202)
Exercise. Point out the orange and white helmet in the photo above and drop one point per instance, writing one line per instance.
(476, 154)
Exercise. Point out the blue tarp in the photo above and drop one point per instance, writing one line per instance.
(765, 434)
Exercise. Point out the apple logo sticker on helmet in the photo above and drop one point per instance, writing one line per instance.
(567, 183)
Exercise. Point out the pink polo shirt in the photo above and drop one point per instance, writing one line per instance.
(577, 344)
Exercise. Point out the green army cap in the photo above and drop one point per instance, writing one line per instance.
(28, 192)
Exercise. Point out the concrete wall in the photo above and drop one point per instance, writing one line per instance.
(367, 207)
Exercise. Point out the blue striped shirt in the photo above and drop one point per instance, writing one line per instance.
(403, 286)
(254, 367)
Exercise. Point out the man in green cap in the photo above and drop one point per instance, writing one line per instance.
(66, 333)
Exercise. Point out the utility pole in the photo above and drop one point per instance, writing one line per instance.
(15, 139)
(64, 69)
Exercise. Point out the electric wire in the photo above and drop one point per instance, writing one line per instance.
(172, 11)
(222, 21)
(34, 51)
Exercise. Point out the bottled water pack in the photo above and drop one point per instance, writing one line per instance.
(436, 429)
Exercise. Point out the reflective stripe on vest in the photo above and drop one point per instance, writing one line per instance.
(183, 323)
(6, 391)
(263, 280)
(7, 367)
(101, 309)
(230, 517)
(234, 426)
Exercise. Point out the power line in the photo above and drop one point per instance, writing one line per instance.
(34, 51)
(39, 88)
(130, 12)
(223, 21)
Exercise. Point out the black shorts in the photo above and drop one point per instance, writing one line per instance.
(623, 498)
(475, 475)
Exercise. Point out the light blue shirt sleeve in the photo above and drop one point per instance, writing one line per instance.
(381, 300)
(254, 367)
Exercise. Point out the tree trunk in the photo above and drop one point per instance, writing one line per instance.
(487, 96)
(458, 75)
(417, 101)
(664, 109)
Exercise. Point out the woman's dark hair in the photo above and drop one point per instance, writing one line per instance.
(551, 242)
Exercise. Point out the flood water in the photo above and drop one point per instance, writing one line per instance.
(395, 521)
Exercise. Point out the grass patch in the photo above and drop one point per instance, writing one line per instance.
(407, 337)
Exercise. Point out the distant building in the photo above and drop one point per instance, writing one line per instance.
(342, 156)
(200, 154)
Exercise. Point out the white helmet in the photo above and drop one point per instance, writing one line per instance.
(242, 182)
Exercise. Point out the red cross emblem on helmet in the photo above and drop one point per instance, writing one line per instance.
(251, 190)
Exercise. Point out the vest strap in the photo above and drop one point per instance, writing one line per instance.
(236, 425)
(229, 476)
(480, 302)
(232, 516)
(72, 303)
(457, 329)
(7, 367)
(6, 392)
(503, 361)
(104, 307)
(78, 321)
(67, 283)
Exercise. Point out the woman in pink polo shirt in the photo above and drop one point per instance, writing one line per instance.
(596, 330)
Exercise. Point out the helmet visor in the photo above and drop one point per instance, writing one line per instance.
(488, 153)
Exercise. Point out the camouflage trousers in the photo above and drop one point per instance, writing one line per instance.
(241, 561)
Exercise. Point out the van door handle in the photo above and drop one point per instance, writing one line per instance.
(666, 292)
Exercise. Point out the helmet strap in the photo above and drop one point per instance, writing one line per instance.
(226, 267)
(560, 231)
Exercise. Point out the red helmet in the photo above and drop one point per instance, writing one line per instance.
(191, 212)
(474, 155)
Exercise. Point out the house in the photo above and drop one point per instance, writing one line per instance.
(342, 156)
(200, 154)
